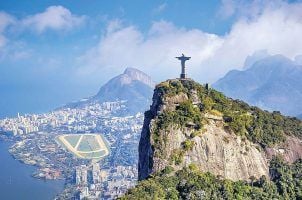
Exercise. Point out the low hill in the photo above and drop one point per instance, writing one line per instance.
(194, 131)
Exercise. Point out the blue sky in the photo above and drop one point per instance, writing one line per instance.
(54, 52)
(139, 12)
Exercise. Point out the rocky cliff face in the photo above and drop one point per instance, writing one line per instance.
(190, 125)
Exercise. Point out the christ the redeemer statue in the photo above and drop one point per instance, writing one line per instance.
(183, 59)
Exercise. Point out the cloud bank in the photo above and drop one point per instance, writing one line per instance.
(277, 28)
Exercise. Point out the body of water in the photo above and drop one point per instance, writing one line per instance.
(16, 182)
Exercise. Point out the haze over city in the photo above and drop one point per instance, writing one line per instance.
(56, 52)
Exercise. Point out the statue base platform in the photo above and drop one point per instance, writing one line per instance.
(183, 76)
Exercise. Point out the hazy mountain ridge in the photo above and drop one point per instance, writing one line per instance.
(134, 88)
(272, 83)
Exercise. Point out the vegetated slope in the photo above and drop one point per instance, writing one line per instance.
(192, 126)
(272, 83)
(190, 183)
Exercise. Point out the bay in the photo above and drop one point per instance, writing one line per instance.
(16, 182)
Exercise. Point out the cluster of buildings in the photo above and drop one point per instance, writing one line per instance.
(20, 125)
(41, 150)
(89, 180)
(93, 182)
(80, 119)
(36, 145)
(120, 180)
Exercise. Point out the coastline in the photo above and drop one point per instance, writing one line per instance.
(17, 180)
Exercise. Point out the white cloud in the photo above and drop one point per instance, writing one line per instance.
(15, 51)
(160, 8)
(5, 21)
(153, 52)
(114, 25)
(250, 9)
(54, 18)
(277, 29)
(227, 8)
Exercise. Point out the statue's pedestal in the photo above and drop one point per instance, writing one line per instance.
(183, 76)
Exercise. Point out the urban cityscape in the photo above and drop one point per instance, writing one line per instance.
(34, 144)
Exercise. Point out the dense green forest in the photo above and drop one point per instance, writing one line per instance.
(189, 183)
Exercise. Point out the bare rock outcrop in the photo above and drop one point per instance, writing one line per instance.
(290, 149)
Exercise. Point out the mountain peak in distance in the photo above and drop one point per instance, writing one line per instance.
(132, 74)
(133, 86)
(272, 83)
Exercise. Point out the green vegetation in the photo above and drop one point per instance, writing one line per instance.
(287, 178)
(184, 115)
(216, 113)
(188, 144)
(249, 122)
(193, 167)
(259, 126)
(167, 170)
(195, 134)
(177, 156)
(189, 183)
